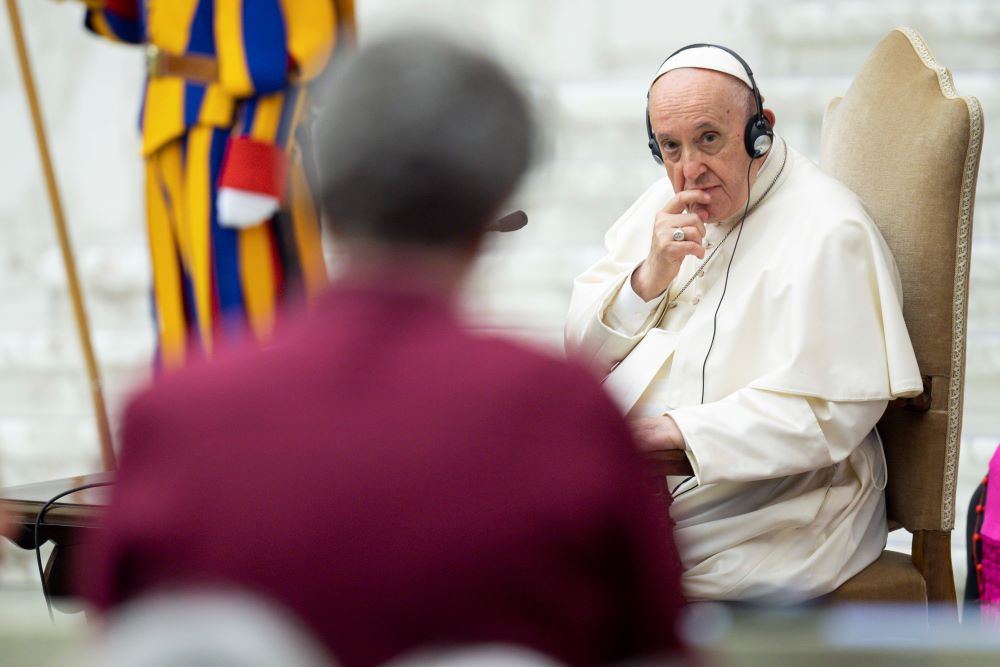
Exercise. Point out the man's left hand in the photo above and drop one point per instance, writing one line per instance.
(655, 434)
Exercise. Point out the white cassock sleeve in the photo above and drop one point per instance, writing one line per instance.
(590, 334)
(757, 434)
(628, 314)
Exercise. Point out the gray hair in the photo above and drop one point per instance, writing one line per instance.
(742, 98)
(420, 142)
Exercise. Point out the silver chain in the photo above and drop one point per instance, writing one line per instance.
(704, 263)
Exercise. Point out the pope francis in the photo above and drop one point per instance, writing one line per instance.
(749, 312)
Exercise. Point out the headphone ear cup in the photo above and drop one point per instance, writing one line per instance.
(654, 148)
(758, 136)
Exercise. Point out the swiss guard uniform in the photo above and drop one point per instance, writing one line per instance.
(232, 223)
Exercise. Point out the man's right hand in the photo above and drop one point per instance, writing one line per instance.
(663, 262)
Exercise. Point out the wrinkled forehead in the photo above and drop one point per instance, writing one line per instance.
(681, 87)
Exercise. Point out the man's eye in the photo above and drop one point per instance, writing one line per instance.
(669, 146)
(710, 137)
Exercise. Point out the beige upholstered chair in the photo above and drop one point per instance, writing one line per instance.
(908, 145)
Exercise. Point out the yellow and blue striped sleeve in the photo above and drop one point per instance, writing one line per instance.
(263, 45)
(250, 43)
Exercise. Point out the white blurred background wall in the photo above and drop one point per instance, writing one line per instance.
(587, 63)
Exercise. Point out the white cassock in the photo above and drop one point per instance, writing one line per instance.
(787, 501)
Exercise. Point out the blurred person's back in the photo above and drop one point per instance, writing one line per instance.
(387, 476)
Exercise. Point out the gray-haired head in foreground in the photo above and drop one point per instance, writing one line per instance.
(420, 142)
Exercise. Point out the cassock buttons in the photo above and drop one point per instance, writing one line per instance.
(708, 244)
(696, 301)
(672, 306)
(701, 274)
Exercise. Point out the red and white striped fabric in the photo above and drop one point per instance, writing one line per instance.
(252, 183)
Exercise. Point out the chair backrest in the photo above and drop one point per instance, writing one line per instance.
(908, 146)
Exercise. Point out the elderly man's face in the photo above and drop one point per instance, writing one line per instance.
(698, 121)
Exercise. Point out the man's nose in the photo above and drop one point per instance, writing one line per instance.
(693, 166)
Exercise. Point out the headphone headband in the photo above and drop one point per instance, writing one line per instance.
(757, 136)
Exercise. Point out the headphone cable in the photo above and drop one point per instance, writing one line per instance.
(725, 284)
(715, 317)
(38, 547)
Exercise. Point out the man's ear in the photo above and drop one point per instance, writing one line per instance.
(769, 115)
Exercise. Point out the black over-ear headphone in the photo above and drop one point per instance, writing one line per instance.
(758, 135)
